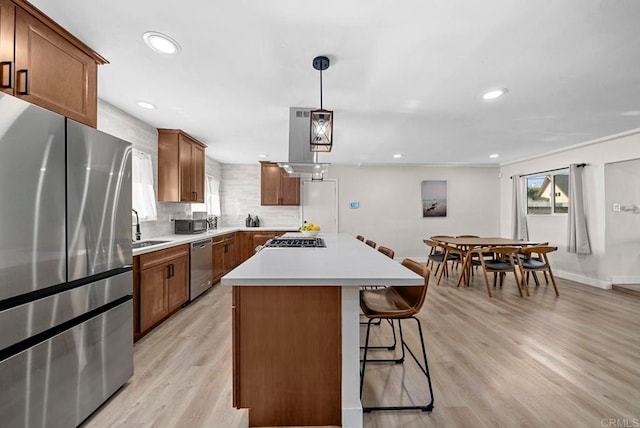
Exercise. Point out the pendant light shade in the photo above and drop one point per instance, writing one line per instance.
(321, 133)
(321, 130)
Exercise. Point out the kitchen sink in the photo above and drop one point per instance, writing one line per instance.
(143, 244)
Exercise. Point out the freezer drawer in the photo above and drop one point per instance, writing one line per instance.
(61, 381)
(35, 317)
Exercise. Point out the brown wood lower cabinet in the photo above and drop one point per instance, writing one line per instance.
(162, 281)
(287, 351)
(218, 258)
(230, 257)
(247, 241)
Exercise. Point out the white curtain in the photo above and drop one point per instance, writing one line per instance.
(520, 230)
(212, 192)
(142, 189)
(577, 234)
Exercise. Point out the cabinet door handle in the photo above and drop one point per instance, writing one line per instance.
(24, 73)
(3, 65)
(168, 272)
(195, 196)
(172, 270)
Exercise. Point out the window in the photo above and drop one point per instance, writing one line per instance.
(142, 189)
(548, 193)
(211, 197)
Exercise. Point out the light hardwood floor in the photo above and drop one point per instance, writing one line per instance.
(541, 361)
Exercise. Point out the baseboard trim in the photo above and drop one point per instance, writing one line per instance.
(625, 279)
(593, 282)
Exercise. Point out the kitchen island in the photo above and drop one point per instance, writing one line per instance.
(296, 355)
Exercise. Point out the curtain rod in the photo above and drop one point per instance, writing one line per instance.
(580, 165)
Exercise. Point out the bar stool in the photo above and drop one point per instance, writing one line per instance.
(397, 303)
(387, 251)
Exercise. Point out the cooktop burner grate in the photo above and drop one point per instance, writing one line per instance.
(296, 243)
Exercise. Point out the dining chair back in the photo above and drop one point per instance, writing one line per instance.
(360, 238)
(370, 243)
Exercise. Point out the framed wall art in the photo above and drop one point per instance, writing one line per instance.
(434, 198)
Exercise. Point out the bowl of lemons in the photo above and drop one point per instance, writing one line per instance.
(310, 230)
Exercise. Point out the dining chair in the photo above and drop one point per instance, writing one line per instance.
(360, 238)
(440, 254)
(506, 260)
(370, 243)
(536, 259)
(395, 303)
(523, 255)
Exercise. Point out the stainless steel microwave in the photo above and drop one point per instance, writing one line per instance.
(189, 226)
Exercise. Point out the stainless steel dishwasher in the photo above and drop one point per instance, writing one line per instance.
(201, 268)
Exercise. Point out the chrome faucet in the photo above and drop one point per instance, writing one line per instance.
(138, 234)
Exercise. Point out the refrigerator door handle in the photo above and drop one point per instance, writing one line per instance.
(127, 266)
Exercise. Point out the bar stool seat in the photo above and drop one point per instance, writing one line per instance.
(384, 303)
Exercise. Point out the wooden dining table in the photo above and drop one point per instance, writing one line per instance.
(468, 244)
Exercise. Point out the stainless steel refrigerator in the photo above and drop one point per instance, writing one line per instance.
(66, 329)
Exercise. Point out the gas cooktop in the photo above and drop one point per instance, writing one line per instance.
(296, 243)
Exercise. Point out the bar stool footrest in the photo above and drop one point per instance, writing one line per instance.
(427, 408)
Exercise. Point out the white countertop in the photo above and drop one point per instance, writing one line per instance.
(345, 261)
(173, 240)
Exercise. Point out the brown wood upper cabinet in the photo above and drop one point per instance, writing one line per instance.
(45, 65)
(277, 188)
(180, 167)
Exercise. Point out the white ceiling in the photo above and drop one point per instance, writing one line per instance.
(406, 76)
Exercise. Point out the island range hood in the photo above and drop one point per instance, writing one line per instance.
(302, 161)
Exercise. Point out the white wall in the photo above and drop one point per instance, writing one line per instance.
(590, 269)
(390, 210)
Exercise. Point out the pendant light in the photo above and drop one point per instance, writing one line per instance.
(321, 136)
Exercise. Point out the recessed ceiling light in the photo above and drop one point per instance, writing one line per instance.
(263, 156)
(495, 155)
(161, 43)
(397, 155)
(494, 93)
(145, 104)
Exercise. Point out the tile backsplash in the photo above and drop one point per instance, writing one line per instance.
(240, 195)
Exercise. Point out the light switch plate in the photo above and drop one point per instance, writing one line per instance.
(616, 208)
